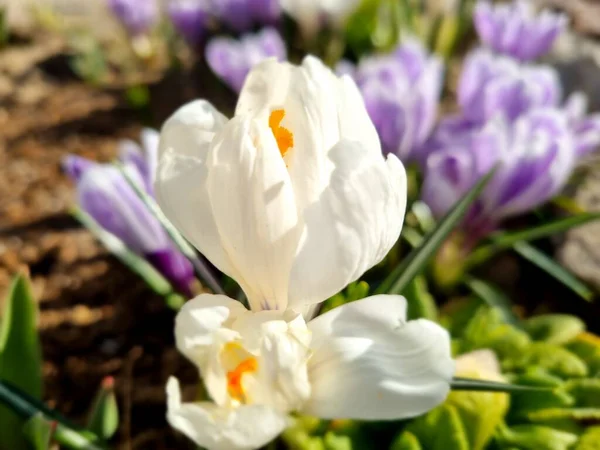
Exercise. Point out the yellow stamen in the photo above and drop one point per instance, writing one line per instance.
(234, 378)
(283, 136)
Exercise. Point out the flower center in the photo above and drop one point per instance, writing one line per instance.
(283, 136)
(234, 378)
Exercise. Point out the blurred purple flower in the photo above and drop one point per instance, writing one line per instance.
(190, 18)
(232, 59)
(535, 154)
(516, 30)
(138, 16)
(105, 194)
(586, 128)
(240, 15)
(492, 84)
(401, 91)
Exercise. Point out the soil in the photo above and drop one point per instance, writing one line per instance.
(97, 319)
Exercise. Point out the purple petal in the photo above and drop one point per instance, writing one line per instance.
(74, 166)
(104, 193)
(138, 16)
(175, 267)
(231, 59)
(190, 18)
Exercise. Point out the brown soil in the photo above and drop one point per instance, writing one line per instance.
(97, 319)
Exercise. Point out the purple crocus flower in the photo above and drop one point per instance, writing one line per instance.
(492, 84)
(138, 16)
(190, 18)
(241, 15)
(401, 91)
(586, 128)
(515, 30)
(104, 193)
(232, 59)
(535, 154)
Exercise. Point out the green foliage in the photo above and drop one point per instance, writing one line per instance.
(554, 328)
(441, 429)
(590, 440)
(535, 437)
(354, 291)
(553, 358)
(39, 431)
(20, 357)
(406, 441)
(421, 303)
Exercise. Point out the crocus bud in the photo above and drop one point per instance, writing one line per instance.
(232, 59)
(490, 84)
(106, 195)
(401, 91)
(138, 16)
(190, 18)
(515, 30)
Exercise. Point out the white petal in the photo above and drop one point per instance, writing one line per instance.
(369, 364)
(254, 209)
(352, 226)
(216, 428)
(181, 179)
(200, 318)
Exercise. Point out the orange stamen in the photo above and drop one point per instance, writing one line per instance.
(234, 378)
(283, 136)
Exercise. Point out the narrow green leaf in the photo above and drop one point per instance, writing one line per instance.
(495, 298)
(468, 384)
(553, 268)
(20, 355)
(506, 240)
(184, 247)
(104, 416)
(26, 408)
(39, 431)
(418, 258)
(136, 263)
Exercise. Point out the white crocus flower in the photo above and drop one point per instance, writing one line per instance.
(359, 361)
(293, 199)
(310, 14)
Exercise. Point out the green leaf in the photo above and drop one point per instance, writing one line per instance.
(39, 431)
(586, 391)
(555, 359)
(506, 240)
(590, 440)
(554, 328)
(494, 298)
(587, 347)
(487, 329)
(440, 429)
(554, 269)
(535, 437)
(135, 262)
(26, 408)
(104, 416)
(20, 355)
(471, 384)
(416, 261)
(406, 441)
(184, 246)
(421, 303)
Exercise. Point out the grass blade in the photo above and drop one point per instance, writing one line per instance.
(493, 297)
(546, 263)
(184, 247)
(21, 405)
(468, 384)
(415, 262)
(135, 262)
(506, 240)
